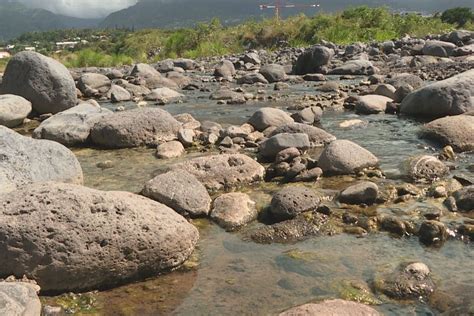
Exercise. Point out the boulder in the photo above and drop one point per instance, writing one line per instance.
(332, 307)
(438, 48)
(465, 199)
(118, 94)
(314, 77)
(26, 160)
(312, 60)
(72, 238)
(134, 128)
(308, 115)
(73, 126)
(452, 96)
(371, 104)
(179, 79)
(168, 150)
(180, 191)
(184, 63)
(355, 67)
(225, 69)
(92, 83)
(386, 90)
(365, 192)
(345, 157)
(233, 210)
(252, 58)
(43, 81)
(273, 72)
(432, 233)
(464, 51)
(266, 117)
(272, 146)
(455, 131)
(402, 79)
(164, 95)
(144, 71)
(19, 298)
(252, 78)
(224, 171)
(424, 168)
(291, 201)
(13, 110)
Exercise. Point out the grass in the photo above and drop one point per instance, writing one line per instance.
(3, 64)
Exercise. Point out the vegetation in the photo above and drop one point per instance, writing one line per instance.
(119, 46)
(459, 16)
(3, 64)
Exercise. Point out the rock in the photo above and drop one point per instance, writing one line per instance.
(424, 168)
(137, 127)
(272, 146)
(168, 150)
(345, 157)
(144, 71)
(228, 95)
(115, 74)
(180, 191)
(308, 115)
(317, 137)
(26, 160)
(104, 238)
(186, 64)
(186, 137)
(465, 199)
(312, 60)
(332, 307)
(291, 201)
(252, 78)
(452, 96)
(464, 51)
(273, 73)
(164, 95)
(19, 298)
(224, 171)
(287, 155)
(393, 225)
(314, 77)
(438, 48)
(136, 91)
(43, 81)
(233, 210)
(355, 67)
(73, 126)
(402, 92)
(251, 58)
(455, 131)
(386, 90)
(459, 36)
(403, 79)
(409, 281)
(266, 117)
(432, 232)
(365, 192)
(13, 110)
(355, 123)
(119, 94)
(91, 84)
(371, 104)
(225, 69)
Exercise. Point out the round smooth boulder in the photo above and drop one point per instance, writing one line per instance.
(181, 191)
(424, 168)
(134, 128)
(233, 210)
(372, 104)
(72, 238)
(225, 69)
(332, 307)
(13, 110)
(25, 160)
(365, 192)
(273, 73)
(168, 150)
(19, 298)
(345, 157)
(43, 81)
(275, 144)
(455, 131)
(317, 136)
(91, 84)
(266, 117)
(291, 201)
(465, 199)
(312, 60)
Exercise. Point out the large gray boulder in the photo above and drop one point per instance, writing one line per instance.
(91, 84)
(19, 298)
(71, 238)
(317, 137)
(43, 81)
(224, 171)
(332, 307)
(266, 117)
(424, 168)
(355, 67)
(313, 60)
(272, 146)
(345, 157)
(225, 69)
(26, 160)
(402, 79)
(134, 128)
(456, 131)
(181, 191)
(452, 96)
(117, 94)
(233, 210)
(291, 201)
(465, 199)
(364, 192)
(371, 104)
(273, 73)
(13, 110)
(73, 126)
(144, 71)
(252, 78)
(438, 48)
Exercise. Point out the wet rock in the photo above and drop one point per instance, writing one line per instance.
(291, 201)
(275, 144)
(456, 131)
(26, 160)
(252, 78)
(345, 157)
(273, 73)
(393, 225)
(91, 84)
(224, 171)
(73, 126)
(465, 199)
(317, 137)
(332, 307)
(225, 69)
(371, 104)
(168, 150)
(119, 94)
(452, 96)
(137, 127)
(424, 168)
(353, 124)
(106, 238)
(13, 110)
(18, 298)
(180, 191)
(308, 115)
(355, 67)
(233, 210)
(43, 81)
(361, 193)
(267, 117)
(312, 60)
(438, 48)
(409, 281)
(432, 233)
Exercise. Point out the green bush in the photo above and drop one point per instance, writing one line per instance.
(459, 16)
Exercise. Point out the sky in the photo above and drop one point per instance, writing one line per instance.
(81, 8)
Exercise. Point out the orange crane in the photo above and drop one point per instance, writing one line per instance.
(279, 4)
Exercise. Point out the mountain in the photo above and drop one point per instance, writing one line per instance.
(16, 19)
(177, 13)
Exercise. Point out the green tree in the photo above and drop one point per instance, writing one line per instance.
(459, 16)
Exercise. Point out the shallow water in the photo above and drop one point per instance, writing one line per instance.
(234, 276)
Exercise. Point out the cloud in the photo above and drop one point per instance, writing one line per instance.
(81, 8)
